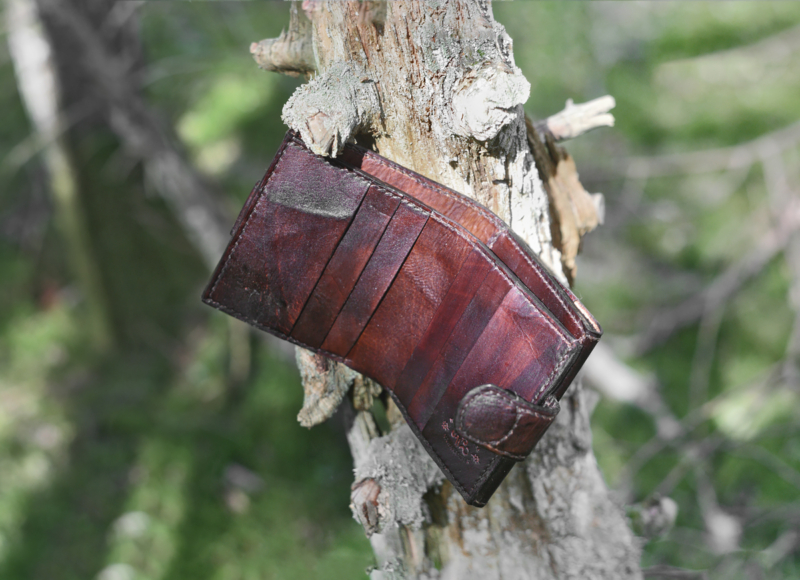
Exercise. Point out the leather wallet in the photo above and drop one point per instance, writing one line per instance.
(418, 287)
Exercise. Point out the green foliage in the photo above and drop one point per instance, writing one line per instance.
(118, 467)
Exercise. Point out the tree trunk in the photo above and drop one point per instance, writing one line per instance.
(433, 86)
(41, 90)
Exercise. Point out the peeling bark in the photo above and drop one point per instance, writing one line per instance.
(574, 212)
(433, 86)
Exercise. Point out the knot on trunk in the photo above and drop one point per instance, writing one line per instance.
(325, 383)
(330, 108)
(392, 476)
(487, 99)
(364, 504)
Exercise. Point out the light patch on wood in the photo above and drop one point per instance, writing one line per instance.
(325, 383)
(486, 101)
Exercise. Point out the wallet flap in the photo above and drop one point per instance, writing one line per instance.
(503, 422)
(490, 230)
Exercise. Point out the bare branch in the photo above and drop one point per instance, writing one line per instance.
(617, 381)
(325, 383)
(662, 571)
(576, 120)
(292, 52)
(709, 160)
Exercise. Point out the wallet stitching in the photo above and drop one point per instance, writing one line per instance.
(484, 475)
(557, 369)
(491, 218)
(496, 396)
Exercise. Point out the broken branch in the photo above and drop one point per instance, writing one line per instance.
(576, 120)
(292, 53)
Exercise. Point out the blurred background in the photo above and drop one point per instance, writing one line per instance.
(144, 436)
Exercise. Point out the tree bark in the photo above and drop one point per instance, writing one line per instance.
(433, 86)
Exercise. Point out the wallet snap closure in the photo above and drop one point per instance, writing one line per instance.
(502, 421)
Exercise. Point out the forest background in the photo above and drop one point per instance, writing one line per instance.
(170, 449)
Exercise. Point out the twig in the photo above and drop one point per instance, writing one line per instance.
(723, 530)
(576, 120)
(780, 189)
(772, 49)
(703, 358)
(770, 461)
(709, 160)
(292, 52)
(606, 373)
(686, 425)
(671, 572)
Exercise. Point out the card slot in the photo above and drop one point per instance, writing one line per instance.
(345, 267)
(466, 332)
(384, 263)
(288, 239)
(466, 283)
(403, 316)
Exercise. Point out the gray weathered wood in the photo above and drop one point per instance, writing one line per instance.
(433, 86)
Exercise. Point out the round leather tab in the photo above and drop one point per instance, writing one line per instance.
(502, 421)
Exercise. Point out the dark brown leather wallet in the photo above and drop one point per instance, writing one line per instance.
(418, 287)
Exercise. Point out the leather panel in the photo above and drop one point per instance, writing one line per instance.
(389, 255)
(342, 272)
(469, 278)
(466, 332)
(537, 280)
(285, 235)
(391, 336)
